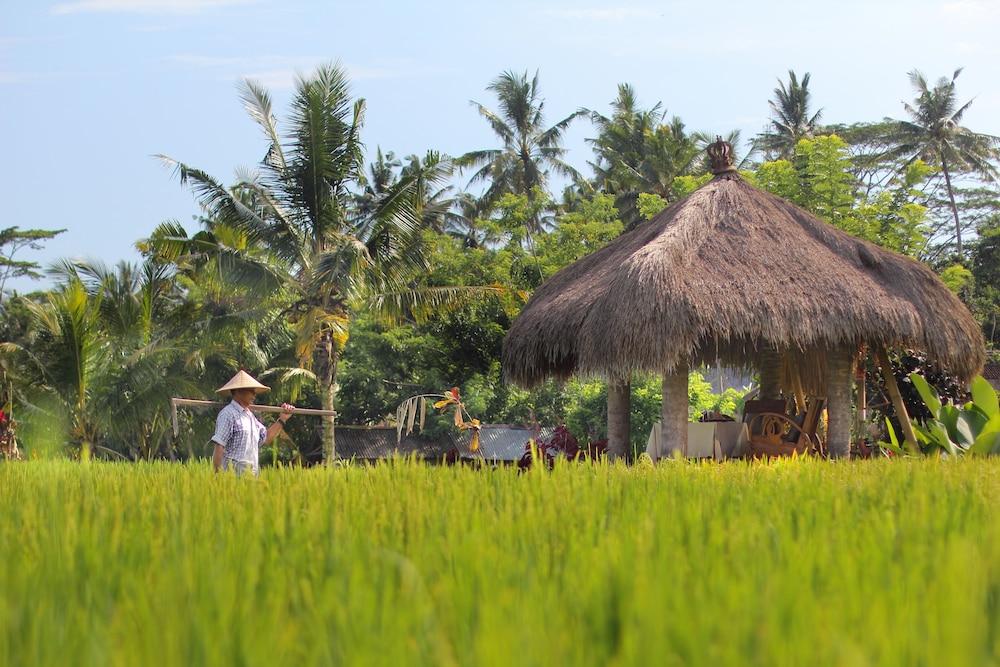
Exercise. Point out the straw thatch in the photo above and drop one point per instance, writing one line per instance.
(720, 276)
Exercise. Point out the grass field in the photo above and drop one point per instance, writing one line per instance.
(795, 563)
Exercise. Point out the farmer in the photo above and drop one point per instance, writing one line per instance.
(239, 435)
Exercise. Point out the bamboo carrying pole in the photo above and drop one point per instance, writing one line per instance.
(197, 403)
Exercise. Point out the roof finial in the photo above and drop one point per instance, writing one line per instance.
(720, 154)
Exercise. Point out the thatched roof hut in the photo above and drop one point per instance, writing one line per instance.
(735, 274)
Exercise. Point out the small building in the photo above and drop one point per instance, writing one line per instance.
(498, 444)
(735, 276)
(502, 443)
(371, 443)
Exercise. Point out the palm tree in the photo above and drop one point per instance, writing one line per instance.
(434, 201)
(67, 349)
(638, 151)
(529, 150)
(148, 345)
(934, 133)
(791, 120)
(325, 254)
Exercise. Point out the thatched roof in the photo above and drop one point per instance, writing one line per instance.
(723, 273)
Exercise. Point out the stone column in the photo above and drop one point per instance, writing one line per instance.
(619, 413)
(769, 364)
(674, 413)
(839, 363)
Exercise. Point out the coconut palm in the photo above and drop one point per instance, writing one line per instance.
(638, 151)
(934, 133)
(434, 201)
(791, 119)
(529, 150)
(66, 351)
(147, 344)
(325, 254)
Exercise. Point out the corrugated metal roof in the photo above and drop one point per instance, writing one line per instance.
(378, 442)
(991, 372)
(497, 442)
(501, 442)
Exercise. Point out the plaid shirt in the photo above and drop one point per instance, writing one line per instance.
(239, 431)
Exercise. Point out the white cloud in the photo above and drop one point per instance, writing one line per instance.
(972, 10)
(977, 49)
(280, 72)
(603, 13)
(143, 6)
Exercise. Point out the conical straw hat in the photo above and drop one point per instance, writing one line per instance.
(242, 380)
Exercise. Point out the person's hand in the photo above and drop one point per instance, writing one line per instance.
(286, 412)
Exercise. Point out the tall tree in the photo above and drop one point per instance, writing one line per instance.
(67, 351)
(326, 254)
(529, 151)
(639, 152)
(935, 134)
(790, 119)
(12, 241)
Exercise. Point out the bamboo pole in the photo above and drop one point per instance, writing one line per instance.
(796, 380)
(197, 403)
(882, 358)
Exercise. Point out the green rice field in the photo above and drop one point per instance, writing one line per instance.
(798, 562)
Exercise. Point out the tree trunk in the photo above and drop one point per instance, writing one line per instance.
(838, 396)
(326, 372)
(619, 408)
(674, 412)
(769, 364)
(954, 207)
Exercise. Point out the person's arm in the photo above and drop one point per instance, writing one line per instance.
(217, 457)
(275, 428)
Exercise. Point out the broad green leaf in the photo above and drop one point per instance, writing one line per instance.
(893, 443)
(985, 396)
(964, 432)
(941, 438)
(948, 416)
(927, 393)
(988, 440)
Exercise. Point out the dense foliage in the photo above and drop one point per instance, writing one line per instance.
(355, 286)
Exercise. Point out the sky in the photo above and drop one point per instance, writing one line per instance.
(91, 90)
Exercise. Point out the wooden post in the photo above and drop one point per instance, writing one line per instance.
(882, 359)
(769, 365)
(619, 413)
(674, 413)
(838, 396)
(861, 395)
(800, 395)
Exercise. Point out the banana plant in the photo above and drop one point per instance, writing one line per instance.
(973, 428)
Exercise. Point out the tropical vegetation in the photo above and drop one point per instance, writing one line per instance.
(350, 278)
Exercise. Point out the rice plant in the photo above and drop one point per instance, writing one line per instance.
(790, 563)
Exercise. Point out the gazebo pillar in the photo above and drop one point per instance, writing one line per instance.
(674, 413)
(619, 413)
(839, 363)
(770, 373)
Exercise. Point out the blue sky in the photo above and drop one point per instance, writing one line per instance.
(91, 89)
